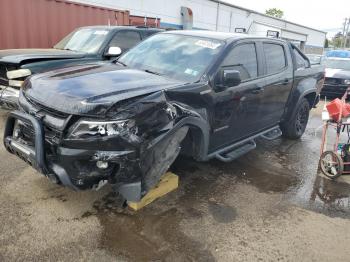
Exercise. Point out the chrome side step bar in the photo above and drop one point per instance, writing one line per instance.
(273, 134)
(242, 147)
(236, 152)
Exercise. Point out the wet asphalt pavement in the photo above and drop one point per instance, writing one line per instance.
(270, 205)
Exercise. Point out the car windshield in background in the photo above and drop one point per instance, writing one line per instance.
(314, 59)
(85, 40)
(175, 56)
(338, 64)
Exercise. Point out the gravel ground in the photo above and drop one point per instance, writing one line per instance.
(270, 205)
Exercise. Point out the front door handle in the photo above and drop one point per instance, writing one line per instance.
(257, 90)
(285, 81)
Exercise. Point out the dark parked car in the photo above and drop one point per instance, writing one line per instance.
(84, 45)
(337, 77)
(203, 94)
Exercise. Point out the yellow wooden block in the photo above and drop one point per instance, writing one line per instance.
(167, 183)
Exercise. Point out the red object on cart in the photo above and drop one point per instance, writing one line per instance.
(337, 107)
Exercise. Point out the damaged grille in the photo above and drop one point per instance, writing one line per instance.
(53, 124)
(27, 134)
(47, 110)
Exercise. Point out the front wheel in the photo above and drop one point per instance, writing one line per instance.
(294, 127)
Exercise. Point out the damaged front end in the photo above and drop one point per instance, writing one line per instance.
(131, 147)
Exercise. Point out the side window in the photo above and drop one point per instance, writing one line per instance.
(275, 58)
(243, 59)
(125, 39)
(300, 60)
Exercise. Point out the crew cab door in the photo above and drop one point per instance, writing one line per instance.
(236, 112)
(278, 77)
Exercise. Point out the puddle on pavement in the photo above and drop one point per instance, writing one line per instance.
(151, 234)
(329, 197)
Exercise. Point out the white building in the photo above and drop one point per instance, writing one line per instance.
(219, 16)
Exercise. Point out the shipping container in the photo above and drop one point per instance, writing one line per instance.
(144, 21)
(42, 23)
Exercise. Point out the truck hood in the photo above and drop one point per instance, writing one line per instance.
(19, 56)
(337, 73)
(92, 89)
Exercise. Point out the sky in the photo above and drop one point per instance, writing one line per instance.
(324, 15)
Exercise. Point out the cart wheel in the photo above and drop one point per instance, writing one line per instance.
(331, 164)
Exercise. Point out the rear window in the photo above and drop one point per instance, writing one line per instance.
(126, 39)
(275, 58)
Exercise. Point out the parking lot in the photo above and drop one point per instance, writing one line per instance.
(270, 205)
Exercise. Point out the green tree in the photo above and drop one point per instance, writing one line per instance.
(274, 12)
(337, 42)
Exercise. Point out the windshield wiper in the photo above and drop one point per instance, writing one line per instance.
(116, 61)
(68, 49)
(152, 72)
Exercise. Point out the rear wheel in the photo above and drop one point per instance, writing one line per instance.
(294, 127)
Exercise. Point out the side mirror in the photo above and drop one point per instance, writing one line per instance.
(230, 78)
(114, 51)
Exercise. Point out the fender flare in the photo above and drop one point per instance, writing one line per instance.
(192, 122)
(293, 106)
(303, 95)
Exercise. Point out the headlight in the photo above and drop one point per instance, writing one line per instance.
(14, 74)
(347, 81)
(87, 129)
(16, 83)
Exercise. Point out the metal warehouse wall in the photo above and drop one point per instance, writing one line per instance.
(214, 15)
(42, 23)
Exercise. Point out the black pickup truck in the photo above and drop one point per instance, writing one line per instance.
(203, 94)
(84, 45)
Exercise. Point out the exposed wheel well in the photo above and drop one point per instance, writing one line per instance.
(311, 98)
(191, 145)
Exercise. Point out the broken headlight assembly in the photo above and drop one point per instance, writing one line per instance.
(94, 129)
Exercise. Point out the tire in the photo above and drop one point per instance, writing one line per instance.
(331, 164)
(294, 127)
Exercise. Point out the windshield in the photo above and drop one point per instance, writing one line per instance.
(338, 64)
(85, 40)
(176, 56)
